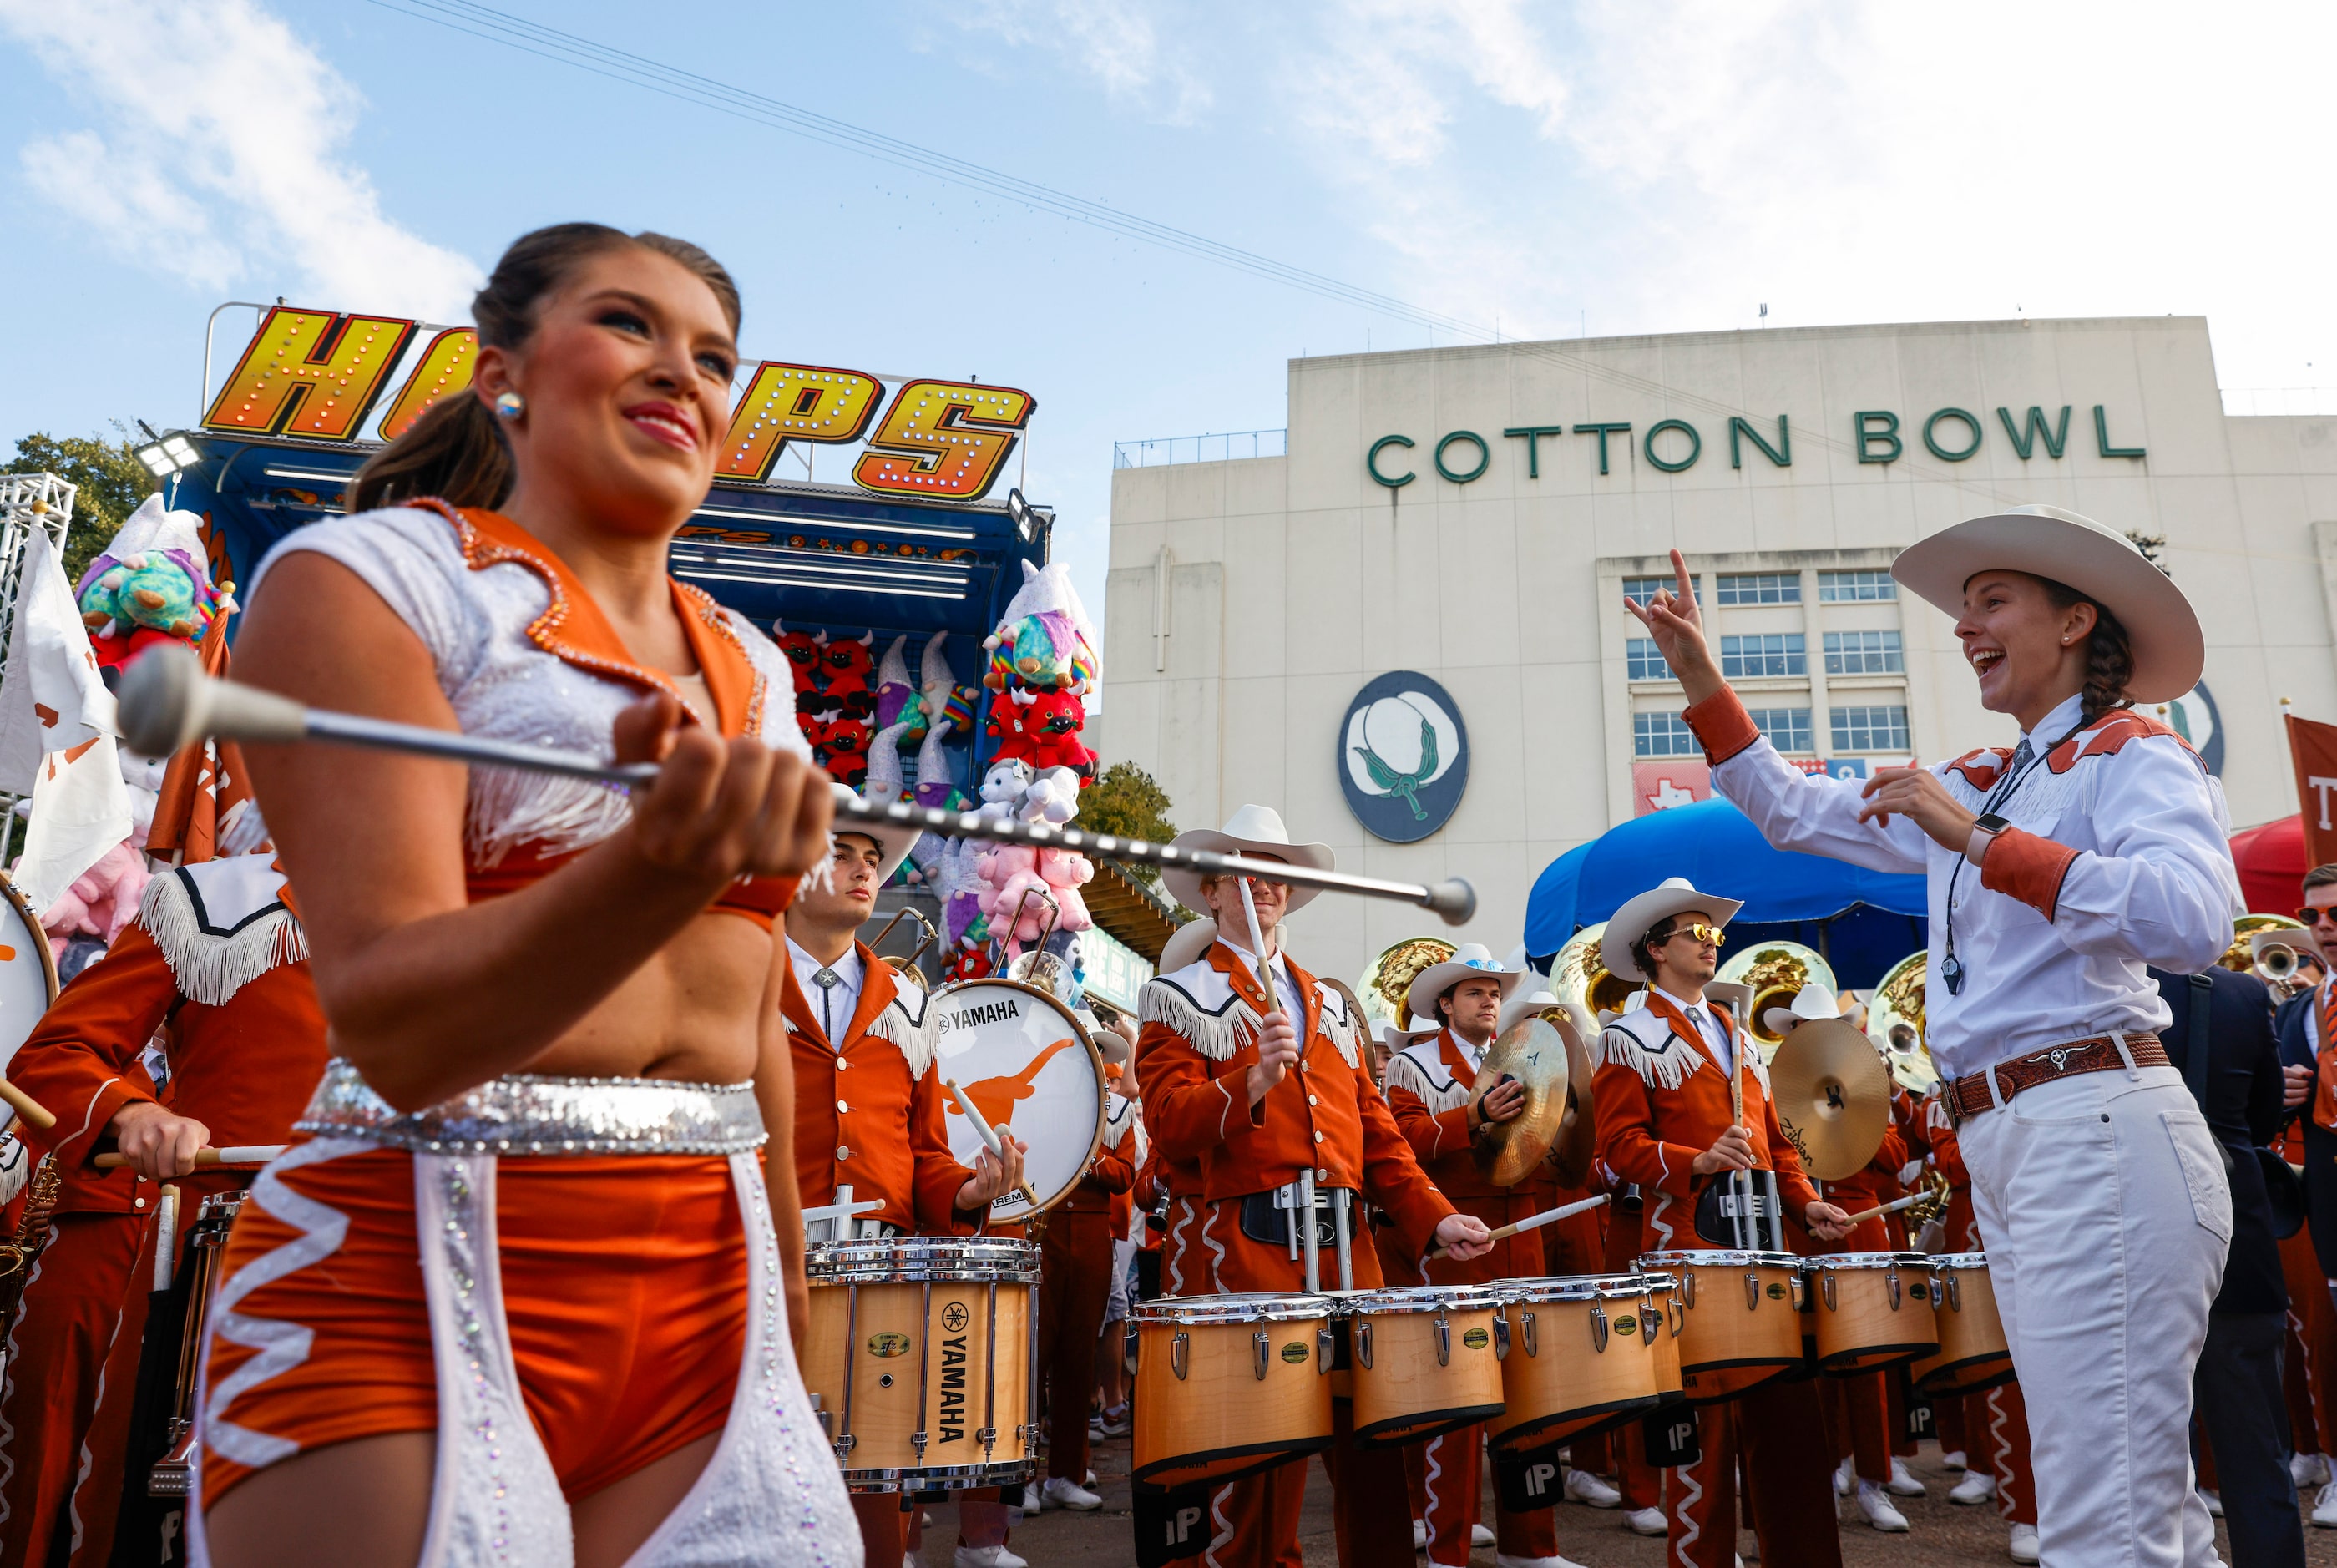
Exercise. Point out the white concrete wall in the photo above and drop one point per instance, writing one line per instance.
(1293, 581)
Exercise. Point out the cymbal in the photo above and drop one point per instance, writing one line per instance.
(1533, 1053)
(1833, 1096)
(1578, 1129)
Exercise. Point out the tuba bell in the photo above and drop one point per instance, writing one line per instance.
(1579, 976)
(2273, 959)
(1894, 1021)
(1388, 980)
(1776, 971)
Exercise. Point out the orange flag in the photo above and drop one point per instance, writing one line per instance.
(2313, 749)
(203, 780)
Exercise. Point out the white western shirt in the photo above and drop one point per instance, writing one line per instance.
(2152, 882)
(1716, 1038)
(835, 1005)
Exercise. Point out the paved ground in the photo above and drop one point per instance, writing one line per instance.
(1940, 1531)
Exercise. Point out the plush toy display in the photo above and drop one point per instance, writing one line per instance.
(101, 901)
(149, 585)
(841, 746)
(1065, 872)
(1044, 641)
(802, 649)
(1043, 729)
(894, 692)
(845, 668)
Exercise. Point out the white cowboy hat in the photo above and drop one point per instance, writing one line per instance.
(1187, 945)
(894, 842)
(1524, 1005)
(1674, 895)
(1470, 961)
(1251, 830)
(1397, 1038)
(1631, 1003)
(2169, 649)
(2300, 938)
(1811, 1000)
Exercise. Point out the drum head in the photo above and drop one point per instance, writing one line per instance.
(28, 974)
(1026, 1063)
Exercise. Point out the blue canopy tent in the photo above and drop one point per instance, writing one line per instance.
(1861, 921)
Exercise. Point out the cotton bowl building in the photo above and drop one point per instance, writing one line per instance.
(1403, 624)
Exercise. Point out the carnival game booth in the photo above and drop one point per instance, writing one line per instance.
(1861, 922)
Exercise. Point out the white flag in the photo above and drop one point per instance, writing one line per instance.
(52, 698)
(81, 809)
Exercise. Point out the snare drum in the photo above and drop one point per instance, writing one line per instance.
(1972, 1355)
(1229, 1384)
(1584, 1350)
(1874, 1309)
(1741, 1323)
(923, 1351)
(1425, 1359)
(1027, 1066)
(1665, 1291)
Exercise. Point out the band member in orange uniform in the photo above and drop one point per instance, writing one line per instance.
(1255, 1091)
(1996, 1423)
(1431, 1087)
(868, 1101)
(522, 1288)
(216, 965)
(1667, 1120)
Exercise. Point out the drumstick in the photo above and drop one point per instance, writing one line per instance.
(248, 1154)
(1882, 1209)
(989, 1136)
(1536, 1222)
(34, 1112)
(167, 701)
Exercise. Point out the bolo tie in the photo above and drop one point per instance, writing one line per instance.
(2024, 758)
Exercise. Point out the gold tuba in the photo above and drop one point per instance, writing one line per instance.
(1899, 1003)
(1579, 976)
(905, 968)
(1776, 971)
(1388, 980)
(2275, 962)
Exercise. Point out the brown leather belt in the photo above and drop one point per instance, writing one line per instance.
(1968, 1096)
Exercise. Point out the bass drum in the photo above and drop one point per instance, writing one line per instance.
(1028, 1067)
(28, 973)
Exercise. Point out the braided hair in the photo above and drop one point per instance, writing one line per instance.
(2109, 652)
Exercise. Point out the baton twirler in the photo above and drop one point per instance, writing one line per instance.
(167, 702)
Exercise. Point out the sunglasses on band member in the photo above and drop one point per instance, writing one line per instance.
(1711, 933)
(2314, 916)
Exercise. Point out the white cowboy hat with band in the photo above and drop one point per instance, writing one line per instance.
(1524, 1005)
(1395, 1038)
(2170, 651)
(1252, 830)
(1470, 961)
(1187, 945)
(1674, 895)
(1811, 1003)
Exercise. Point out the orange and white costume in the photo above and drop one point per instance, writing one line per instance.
(1430, 1083)
(549, 1356)
(1197, 1043)
(214, 972)
(1662, 1097)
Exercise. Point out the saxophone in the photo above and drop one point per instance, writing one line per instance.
(20, 1254)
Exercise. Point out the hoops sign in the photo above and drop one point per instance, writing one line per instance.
(316, 374)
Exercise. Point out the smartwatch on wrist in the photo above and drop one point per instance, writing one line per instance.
(1983, 834)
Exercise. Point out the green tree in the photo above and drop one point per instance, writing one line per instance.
(109, 483)
(1129, 803)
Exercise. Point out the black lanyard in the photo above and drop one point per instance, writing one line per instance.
(1951, 969)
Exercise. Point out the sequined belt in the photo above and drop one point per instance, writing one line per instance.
(527, 1115)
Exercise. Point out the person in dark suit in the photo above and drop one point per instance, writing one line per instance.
(2302, 1034)
(2234, 1074)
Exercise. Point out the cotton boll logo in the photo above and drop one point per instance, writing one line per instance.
(1404, 757)
(2194, 717)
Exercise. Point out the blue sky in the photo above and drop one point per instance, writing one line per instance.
(1541, 168)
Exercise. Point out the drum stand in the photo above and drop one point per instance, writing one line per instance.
(1756, 1216)
(1297, 1197)
(835, 1223)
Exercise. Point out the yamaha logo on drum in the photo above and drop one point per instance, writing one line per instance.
(976, 1016)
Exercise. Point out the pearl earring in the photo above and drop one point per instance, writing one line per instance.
(510, 404)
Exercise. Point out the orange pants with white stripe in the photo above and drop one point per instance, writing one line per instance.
(624, 1286)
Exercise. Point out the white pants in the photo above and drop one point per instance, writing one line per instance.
(2106, 1215)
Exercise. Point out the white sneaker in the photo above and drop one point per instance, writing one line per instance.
(1063, 1491)
(2308, 1470)
(1503, 1560)
(1844, 1476)
(1030, 1498)
(2325, 1507)
(1977, 1487)
(2022, 1547)
(1584, 1487)
(1420, 1535)
(1876, 1506)
(1954, 1461)
(1090, 1481)
(2215, 1502)
(1902, 1483)
(1478, 1535)
(1112, 1423)
(987, 1557)
(909, 1560)
(1645, 1521)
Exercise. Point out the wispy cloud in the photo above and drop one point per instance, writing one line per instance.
(220, 157)
(1119, 43)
